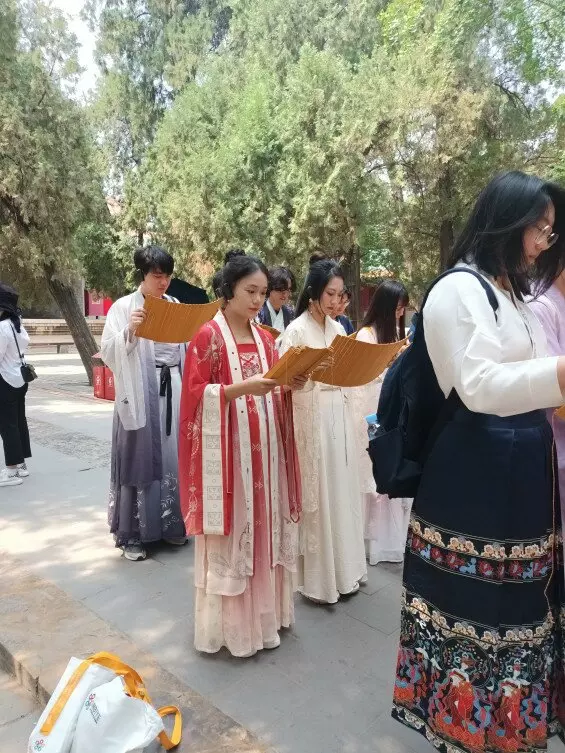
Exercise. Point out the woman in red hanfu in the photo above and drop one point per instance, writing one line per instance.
(240, 488)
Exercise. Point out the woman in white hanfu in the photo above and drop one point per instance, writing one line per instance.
(144, 503)
(240, 490)
(386, 520)
(332, 550)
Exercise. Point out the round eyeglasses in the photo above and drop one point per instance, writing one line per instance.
(546, 236)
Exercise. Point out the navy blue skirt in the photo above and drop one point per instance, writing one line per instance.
(480, 664)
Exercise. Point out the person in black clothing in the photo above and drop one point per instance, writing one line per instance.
(14, 432)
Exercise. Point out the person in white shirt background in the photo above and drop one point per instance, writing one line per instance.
(386, 520)
(13, 424)
(480, 664)
(276, 312)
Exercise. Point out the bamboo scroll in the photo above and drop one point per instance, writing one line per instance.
(295, 362)
(355, 363)
(168, 322)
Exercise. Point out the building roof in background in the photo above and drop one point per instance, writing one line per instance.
(374, 274)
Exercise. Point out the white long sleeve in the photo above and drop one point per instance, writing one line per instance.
(493, 363)
(124, 357)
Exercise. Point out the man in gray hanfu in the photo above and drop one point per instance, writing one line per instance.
(144, 491)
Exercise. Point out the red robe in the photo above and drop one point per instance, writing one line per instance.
(213, 431)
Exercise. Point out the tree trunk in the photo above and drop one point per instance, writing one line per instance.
(446, 234)
(446, 237)
(352, 270)
(67, 302)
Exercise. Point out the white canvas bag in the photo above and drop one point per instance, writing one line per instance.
(111, 721)
(101, 702)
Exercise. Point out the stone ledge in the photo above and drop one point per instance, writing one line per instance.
(41, 627)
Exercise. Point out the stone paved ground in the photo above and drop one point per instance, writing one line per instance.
(327, 689)
(18, 715)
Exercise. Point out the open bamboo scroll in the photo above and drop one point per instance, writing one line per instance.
(274, 332)
(355, 363)
(168, 322)
(352, 363)
(295, 362)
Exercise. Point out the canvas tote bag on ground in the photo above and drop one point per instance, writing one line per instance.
(100, 705)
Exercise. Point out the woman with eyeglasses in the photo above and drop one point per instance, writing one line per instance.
(480, 665)
(341, 316)
(276, 312)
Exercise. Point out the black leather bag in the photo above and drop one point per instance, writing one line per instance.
(26, 369)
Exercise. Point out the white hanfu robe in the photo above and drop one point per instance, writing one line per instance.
(332, 549)
(386, 520)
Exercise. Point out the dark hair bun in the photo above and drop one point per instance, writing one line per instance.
(317, 256)
(233, 253)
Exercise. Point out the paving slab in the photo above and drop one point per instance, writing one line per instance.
(324, 689)
(41, 626)
(18, 714)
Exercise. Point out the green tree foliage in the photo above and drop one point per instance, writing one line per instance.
(365, 129)
(106, 258)
(146, 51)
(47, 184)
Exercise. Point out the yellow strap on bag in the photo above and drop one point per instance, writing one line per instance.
(104, 659)
(135, 688)
(171, 742)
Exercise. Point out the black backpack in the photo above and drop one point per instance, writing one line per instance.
(412, 410)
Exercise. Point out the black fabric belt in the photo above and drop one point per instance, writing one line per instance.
(166, 390)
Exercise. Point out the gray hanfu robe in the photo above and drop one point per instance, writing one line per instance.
(144, 491)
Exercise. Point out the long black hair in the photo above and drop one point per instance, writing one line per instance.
(317, 279)
(493, 236)
(382, 311)
(238, 267)
(217, 283)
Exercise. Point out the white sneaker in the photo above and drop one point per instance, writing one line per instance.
(9, 477)
(134, 552)
(22, 470)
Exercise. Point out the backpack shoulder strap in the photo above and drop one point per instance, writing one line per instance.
(492, 299)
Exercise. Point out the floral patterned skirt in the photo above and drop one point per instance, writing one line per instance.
(480, 664)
